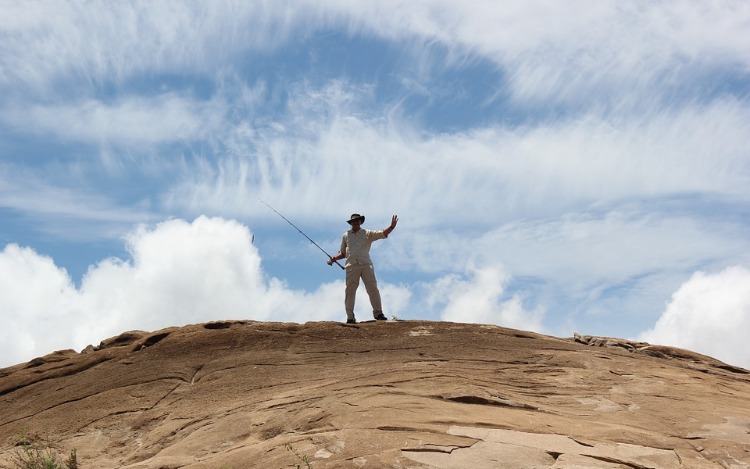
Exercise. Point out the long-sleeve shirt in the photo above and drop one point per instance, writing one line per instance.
(356, 245)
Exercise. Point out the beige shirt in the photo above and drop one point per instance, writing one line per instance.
(356, 246)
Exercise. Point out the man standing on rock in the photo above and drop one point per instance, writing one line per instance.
(355, 247)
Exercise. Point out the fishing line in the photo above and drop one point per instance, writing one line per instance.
(302, 233)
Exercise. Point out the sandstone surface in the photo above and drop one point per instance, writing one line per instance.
(397, 394)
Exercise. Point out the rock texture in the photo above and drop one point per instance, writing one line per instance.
(403, 394)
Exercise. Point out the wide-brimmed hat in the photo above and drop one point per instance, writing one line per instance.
(356, 216)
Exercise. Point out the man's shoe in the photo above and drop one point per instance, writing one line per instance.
(381, 317)
(351, 321)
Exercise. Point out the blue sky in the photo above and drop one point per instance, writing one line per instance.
(556, 166)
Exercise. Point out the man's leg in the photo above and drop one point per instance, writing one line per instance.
(371, 285)
(353, 273)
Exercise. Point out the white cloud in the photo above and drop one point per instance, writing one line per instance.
(479, 296)
(136, 121)
(319, 153)
(567, 52)
(611, 246)
(189, 272)
(589, 270)
(179, 273)
(66, 210)
(710, 314)
(96, 42)
(606, 53)
(38, 304)
(467, 175)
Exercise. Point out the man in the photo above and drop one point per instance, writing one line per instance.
(355, 247)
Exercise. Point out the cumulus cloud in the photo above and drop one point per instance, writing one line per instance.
(710, 314)
(38, 302)
(178, 273)
(181, 272)
(479, 296)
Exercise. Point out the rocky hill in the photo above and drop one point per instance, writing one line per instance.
(401, 394)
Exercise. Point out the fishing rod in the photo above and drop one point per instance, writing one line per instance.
(303, 234)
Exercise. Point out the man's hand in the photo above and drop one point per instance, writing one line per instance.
(388, 230)
(332, 259)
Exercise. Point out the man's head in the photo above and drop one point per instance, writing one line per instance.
(356, 219)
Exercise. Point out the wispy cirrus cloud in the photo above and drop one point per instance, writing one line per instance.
(130, 122)
(507, 172)
(66, 211)
(570, 52)
(605, 56)
(100, 44)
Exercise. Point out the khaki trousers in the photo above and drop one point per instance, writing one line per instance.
(367, 274)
